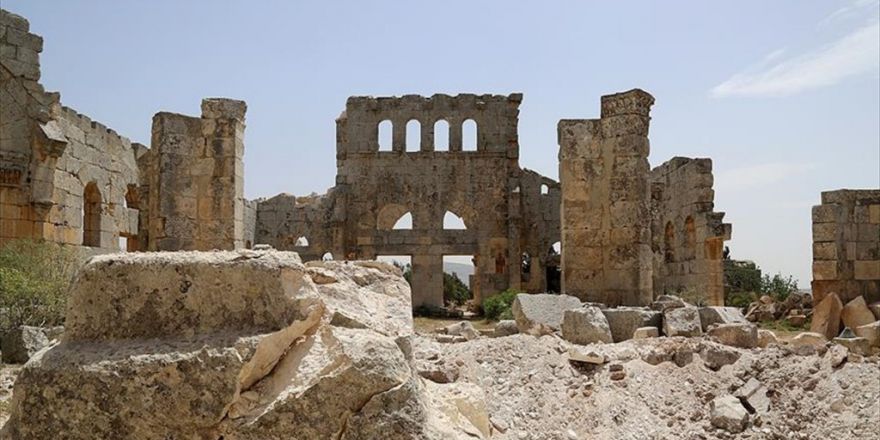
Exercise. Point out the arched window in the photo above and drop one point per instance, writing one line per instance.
(441, 135)
(453, 221)
(469, 135)
(385, 136)
(413, 135)
(526, 268)
(690, 236)
(91, 215)
(544, 189)
(327, 256)
(669, 243)
(301, 242)
(404, 222)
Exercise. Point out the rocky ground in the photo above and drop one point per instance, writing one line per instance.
(7, 379)
(534, 392)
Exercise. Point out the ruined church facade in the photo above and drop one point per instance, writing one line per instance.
(627, 232)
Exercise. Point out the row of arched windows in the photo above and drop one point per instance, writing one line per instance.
(413, 135)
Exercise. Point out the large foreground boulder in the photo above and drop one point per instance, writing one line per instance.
(826, 316)
(541, 313)
(585, 325)
(682, 321)
(856, 313)
(235, 345)
(624, 321)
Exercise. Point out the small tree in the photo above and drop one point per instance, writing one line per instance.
(778, 287)
(454, 290)
(34, 278)
(498, 305)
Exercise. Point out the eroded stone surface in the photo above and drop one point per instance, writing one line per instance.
(540, 314)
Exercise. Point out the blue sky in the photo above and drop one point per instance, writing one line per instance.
(784, 96)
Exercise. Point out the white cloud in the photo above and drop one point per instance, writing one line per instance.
(759, 175)
(854, 9)
(855, 54)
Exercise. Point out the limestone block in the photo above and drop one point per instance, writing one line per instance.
(738, 334)
(856, 313)
(875, 309)
(715, 356)
(755, 394)
(539, 314)
(867, 270)
(858, 345)
(826, 316)
(720, 315)
(810, 339)
(505, 328)
(624, 321)
(825, 270)
(464, 329)
(585, 325)
(871, 332)
(683, 321)
(646, 332)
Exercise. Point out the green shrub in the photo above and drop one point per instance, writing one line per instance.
(497, 306)
(454, 290)
(34, 278)
(740, 299)
(779, 287)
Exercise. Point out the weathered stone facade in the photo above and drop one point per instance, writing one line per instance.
(71, 180)
(620, 219)
(846, 245)
(507, 215)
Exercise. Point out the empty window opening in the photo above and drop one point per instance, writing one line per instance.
(441, 135)
(386, 134)
(469, 135)
(404, 222)
(669, 243)
(327, 256)
(452, 221)
(516, 190)
(526, 267)
(545, 189)
(413, 135)
(301, 242)
(91, 215)
(457, 273)
(123, 243)
(556, 248)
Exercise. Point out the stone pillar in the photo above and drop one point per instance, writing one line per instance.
(196, 192)
(605, 214)
(427, 280)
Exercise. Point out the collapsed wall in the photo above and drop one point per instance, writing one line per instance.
(605, 213)
(237, 345)
(846, 245)
(630, 233)
(195, 179)
(687, 235)
(63, 177)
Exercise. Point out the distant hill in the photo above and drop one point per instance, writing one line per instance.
(464, 271)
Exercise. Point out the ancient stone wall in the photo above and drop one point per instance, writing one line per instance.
(846, 245)
(507, 212)
(196, 179)
(687, 235)
(605, 213)
(63, 177)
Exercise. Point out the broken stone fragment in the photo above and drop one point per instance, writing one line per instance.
(646, 332)
(855, 344)
(809, 342)
(541, 313)
(683, 321)
(765, 338)
(506, 328)
(624, 321)
(837, 355)
(728, 413)
(464, 329)
(576, 354)
(21, 343)
(826, 316)
(741, 334)
(856, 313)
(871, 332)
(754, 394)
(719, 315)
(716, 356)
(585, 325)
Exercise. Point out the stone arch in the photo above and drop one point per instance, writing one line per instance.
(441, 135)
(413, 135)
(669, 243)
(91, 212)
(390, 215)
(453, 221)
(385, 135)
(469, 135)
(545, 189)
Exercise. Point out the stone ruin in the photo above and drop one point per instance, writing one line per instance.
(627, 232)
